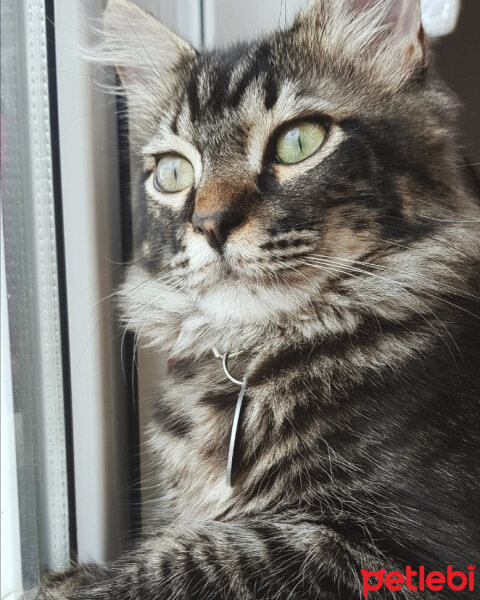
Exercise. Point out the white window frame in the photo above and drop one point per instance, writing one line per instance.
(93, 255)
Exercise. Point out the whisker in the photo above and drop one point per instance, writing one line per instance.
(410, 294)
(425, 319)
(414, 276)
(457, 221)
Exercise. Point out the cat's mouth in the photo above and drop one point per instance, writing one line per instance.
(254, 274)
(224, 270)
(227, 270)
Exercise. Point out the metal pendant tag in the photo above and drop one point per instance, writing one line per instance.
(233, 434)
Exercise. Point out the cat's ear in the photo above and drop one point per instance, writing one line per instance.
(400, 28)
(145, 54)
(386, 34)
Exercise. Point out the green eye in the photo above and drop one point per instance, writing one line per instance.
(299, 142)
(173, 173)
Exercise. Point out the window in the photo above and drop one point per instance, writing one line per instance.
(34, 386)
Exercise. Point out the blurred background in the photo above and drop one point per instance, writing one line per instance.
(457, 59)
(74, 389)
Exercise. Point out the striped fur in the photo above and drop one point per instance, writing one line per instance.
(351, 288)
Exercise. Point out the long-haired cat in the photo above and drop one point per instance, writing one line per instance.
(309, 255)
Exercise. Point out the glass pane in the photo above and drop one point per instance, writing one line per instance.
(32, 284)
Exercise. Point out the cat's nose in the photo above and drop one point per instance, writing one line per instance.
(217, 226)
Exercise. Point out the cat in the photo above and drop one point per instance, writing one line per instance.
(309, 254)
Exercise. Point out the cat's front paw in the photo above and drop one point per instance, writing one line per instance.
(69, 584)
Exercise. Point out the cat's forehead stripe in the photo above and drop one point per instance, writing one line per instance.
(192, 95)
(180, 109)
(258, 68)
(223, 81)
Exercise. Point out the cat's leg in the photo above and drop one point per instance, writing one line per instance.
(63, 585)
(232, 561)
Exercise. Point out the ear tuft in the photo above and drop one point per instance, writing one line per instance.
(401, 28)
(147, 57)
(139, 45)
(386, 36)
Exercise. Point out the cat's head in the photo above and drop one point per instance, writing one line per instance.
(283, 178)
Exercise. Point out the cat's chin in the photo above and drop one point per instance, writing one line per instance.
(235, 300)
(229, 312)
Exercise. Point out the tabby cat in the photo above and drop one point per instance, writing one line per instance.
(309, 254)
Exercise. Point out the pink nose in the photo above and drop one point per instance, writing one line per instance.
(217, 226)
